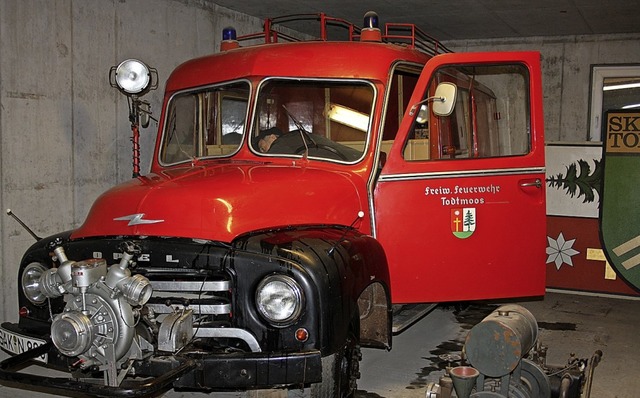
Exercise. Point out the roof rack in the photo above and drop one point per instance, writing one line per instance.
(397, 33)
(414, 37)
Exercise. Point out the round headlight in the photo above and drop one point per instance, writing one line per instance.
(31, 283)
(280, 300)
(132, 76)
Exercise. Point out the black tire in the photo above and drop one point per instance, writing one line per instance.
(340, 372)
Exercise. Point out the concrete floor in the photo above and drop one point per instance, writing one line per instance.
(568, 324)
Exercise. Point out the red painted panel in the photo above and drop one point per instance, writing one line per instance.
(430, 262)
(222, 201)
(575, 260)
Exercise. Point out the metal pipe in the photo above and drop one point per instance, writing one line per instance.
(593, 362)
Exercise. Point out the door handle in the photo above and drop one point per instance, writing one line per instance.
(537, 183)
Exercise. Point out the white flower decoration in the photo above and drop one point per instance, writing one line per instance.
(560, 251)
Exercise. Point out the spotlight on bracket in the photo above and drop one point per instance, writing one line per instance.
(133, 78)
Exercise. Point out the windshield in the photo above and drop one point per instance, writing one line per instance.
(319, 119)
(206, 122)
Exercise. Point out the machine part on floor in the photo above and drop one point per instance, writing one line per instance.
(496, 345)
(464, 379)
(507, 361)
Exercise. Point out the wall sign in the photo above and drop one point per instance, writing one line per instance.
(619, 209)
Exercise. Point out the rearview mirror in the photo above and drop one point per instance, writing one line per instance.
(443, 102)
(444, 99)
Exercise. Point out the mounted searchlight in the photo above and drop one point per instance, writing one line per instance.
(133, 78)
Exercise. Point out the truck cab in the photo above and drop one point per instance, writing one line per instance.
(298, 192)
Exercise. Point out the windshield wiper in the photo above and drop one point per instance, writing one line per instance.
(174, 134)
(302, 131)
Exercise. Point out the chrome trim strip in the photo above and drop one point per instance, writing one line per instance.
(229, 333)
(460, 174)
(209, 309)
(192, 286)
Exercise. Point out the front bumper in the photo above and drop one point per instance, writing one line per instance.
(204, 371)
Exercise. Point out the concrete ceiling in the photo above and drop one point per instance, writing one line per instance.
(468, 19)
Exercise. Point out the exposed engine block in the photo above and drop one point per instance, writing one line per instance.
(100, 315)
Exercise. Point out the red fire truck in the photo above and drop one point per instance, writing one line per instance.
(302, 193)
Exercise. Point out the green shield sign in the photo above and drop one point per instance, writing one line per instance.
(620, 202)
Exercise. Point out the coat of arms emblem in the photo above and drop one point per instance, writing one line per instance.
(619, 206)
(463, 222)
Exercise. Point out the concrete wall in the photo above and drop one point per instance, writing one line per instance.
(64, 132)
(566, 67)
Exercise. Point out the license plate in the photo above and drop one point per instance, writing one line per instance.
(17, 344)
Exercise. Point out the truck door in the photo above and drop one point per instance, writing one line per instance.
(459, 204)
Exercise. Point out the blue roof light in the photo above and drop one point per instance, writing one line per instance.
(371, 20)
(229, 33)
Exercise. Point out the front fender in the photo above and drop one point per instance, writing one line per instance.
(344, 272)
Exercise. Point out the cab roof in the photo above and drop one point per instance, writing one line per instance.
(369, 61)
(364, 53)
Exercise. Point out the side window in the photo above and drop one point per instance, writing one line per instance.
(403, 82)
(180, 131)
(612, 87)
(490, 117)
(207, 122)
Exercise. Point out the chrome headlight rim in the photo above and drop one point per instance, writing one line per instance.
(133, 76)
(30, 283)
(265, 296)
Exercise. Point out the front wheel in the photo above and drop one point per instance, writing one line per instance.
(340, 372)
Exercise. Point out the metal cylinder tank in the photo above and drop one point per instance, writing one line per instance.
(496, 345)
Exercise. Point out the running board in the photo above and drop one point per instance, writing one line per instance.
(408, 314)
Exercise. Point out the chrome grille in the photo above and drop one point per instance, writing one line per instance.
(204, 297)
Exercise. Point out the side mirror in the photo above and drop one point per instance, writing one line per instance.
(443, 102)
(445, 99)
